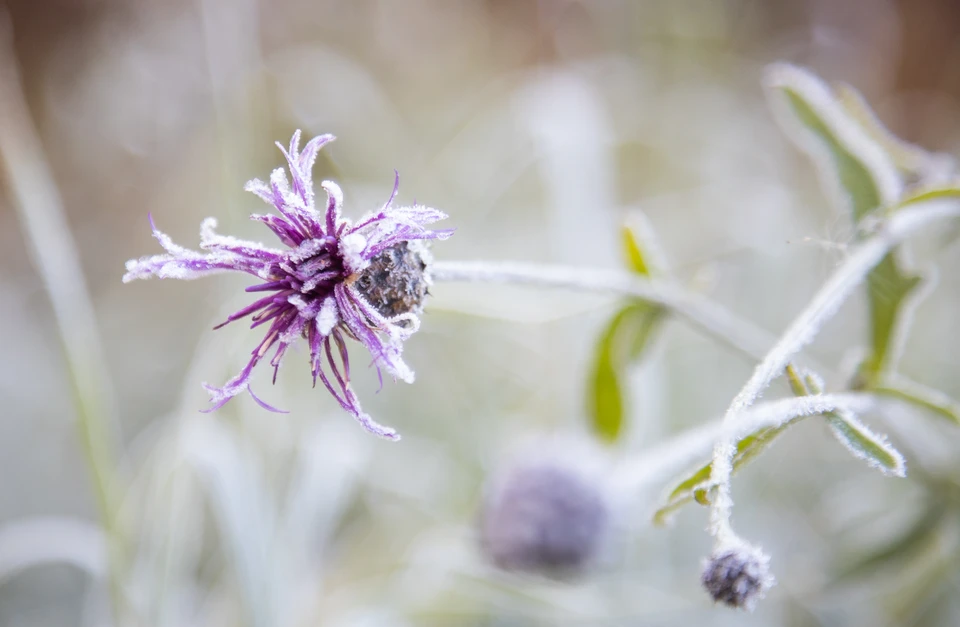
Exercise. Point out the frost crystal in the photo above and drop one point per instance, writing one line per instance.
(336, 280)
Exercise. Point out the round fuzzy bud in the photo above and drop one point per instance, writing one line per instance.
(396, 280)
(738, 576)
(545, 517)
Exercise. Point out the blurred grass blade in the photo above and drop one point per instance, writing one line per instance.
(919, 395)
(621, 343)
(52, 540)
(866, 445)
(243, 512)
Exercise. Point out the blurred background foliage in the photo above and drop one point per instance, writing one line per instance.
(538, 126)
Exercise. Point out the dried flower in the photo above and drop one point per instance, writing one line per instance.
(738, 576)
(547, 515)
(336, 279)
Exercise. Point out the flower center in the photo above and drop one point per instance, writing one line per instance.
(394, 282)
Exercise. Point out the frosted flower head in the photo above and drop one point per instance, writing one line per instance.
(737, 576)
(546, 515)
(334, 280)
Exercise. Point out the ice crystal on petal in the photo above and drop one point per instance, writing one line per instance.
(316, 289)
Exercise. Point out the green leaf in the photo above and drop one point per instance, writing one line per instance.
(889, 288)
(919, 395)
(846, 156)
(866, 445)
(856, 437)
(622, 343)
(848, 145)
(636, 259)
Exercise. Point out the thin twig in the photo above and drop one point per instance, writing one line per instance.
(715, 320)
(801, 332)
(54, 254)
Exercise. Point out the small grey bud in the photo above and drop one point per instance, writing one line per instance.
(546, 517)
(737, 576)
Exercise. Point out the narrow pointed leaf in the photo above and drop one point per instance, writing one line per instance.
(858, 439)
(854, 166)
(889, 288)
(866, 445)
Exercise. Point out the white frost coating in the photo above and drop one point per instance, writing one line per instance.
(399, 368)
(328, 317)
(210, 238)
(899, 467)
(352, 247)
(844, 128)
(278, 180)
(335, 194)
(804, 328)
(716, 321)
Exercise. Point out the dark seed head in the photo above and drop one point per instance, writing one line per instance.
(738, 577)
(546, 519)
(395, 282)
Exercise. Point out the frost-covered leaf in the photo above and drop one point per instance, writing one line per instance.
(915, 164)
(851, 163)
(855, 164)
(855, 436)
(621, 343)
(919, 395)
(866, 445)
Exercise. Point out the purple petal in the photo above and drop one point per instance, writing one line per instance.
(281, 228)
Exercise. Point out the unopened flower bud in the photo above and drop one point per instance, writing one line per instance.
(547, 517)
(737, 576)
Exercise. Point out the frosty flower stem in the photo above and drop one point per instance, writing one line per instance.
(54, 255)
(718, 322)
(663, 460)
(896, 228)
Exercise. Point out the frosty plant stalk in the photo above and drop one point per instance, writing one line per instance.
(892, 190)
(336, 280)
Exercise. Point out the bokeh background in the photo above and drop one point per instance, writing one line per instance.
(538, 126)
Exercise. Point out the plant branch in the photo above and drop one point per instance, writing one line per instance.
(896, 228)
(715, 320)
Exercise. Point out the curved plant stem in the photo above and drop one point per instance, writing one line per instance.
(801, 332)
(706, 315)
(661, 461)
(54, 254)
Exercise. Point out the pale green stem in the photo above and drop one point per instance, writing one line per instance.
(54, 255)
(716, 321)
